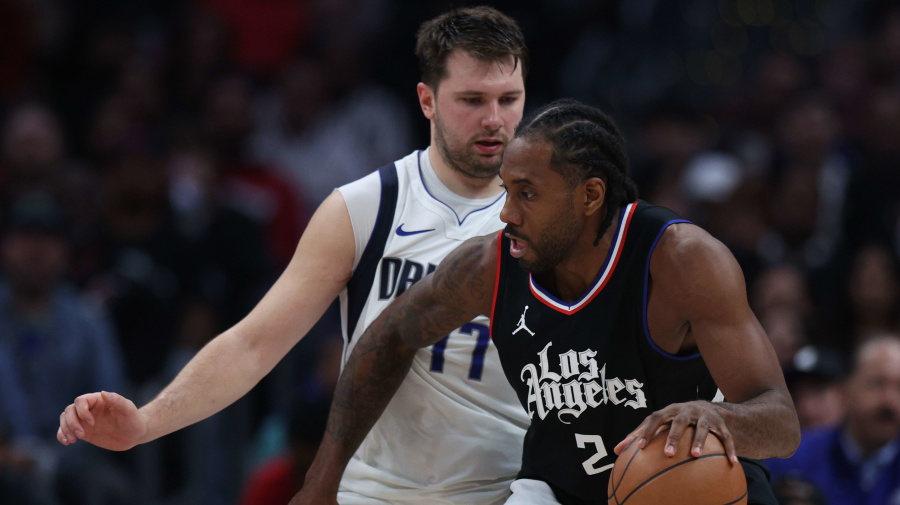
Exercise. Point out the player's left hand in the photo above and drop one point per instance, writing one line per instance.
(705, 418)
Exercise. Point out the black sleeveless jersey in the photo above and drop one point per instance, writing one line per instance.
(587, 372)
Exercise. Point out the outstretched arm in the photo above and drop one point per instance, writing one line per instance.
(235, 361)
(697, 287)
(459, 290)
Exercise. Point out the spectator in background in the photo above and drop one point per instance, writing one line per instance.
(871, 298)
(808, 184)
(874, 212)
(141, 262)
(673, 135)
(322, 141)
(256, 189)
(857, 461)
(781, 300)
(56, 344)
(815, 379)
(228, 261)
(264, 34)
(21, 481)
(34, 157)
(203, 42)
(786, 331)
(32, 151)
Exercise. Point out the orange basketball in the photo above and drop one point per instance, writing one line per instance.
(649, 477)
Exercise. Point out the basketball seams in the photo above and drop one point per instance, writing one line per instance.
(739, 498)
(671, 467)
(624, 470)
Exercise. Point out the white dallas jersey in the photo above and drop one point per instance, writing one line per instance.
(453, 431)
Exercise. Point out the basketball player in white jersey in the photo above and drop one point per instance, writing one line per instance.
(367, 243)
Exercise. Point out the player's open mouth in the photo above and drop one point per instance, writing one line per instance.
(489, 146)
(517, 247)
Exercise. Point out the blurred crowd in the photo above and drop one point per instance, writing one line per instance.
(159, 160)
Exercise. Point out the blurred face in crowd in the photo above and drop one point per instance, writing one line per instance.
(818, 402)
(882, 119)
(305, 90)
(785, 330)
(809, 131)
(228, 113)
(32, 141)
(872, 394)
(781, 286)
(474, 112)
(873, 286)
(33, 261)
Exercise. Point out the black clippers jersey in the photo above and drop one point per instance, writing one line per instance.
(587, 372)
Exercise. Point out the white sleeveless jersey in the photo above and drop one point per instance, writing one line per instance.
(453, 431)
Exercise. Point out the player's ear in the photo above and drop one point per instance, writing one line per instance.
(594, 195)
(427, 97)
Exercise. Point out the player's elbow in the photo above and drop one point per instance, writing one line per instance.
(790, 433)
(794, 440)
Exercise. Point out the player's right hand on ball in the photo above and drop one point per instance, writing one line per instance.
(107, 420)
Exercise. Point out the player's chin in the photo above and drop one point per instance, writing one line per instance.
(487, 167)
(530, 264)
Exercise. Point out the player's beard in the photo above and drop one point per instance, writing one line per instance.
(458, 155)
(554, 244)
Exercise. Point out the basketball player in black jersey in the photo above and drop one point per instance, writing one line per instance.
(613, 319)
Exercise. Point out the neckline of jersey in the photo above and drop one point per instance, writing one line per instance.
(609, 265)
(488, 203)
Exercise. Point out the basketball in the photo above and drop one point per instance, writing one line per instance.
(649, 477)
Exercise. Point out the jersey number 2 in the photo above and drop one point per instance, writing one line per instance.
(483, 337)
(588, 464)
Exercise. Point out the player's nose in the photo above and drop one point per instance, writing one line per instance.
(492, 120)
(508, 213)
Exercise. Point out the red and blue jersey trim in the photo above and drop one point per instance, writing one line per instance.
(606, 271)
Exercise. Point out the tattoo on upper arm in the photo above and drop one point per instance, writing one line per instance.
(461, 275)
(453, 297)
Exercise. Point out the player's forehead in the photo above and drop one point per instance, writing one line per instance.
(465, 73)
(527, 160)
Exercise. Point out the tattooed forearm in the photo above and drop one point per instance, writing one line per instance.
(374, 371)
(424, 314)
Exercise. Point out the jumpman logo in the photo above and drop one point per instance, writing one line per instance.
(522, 325)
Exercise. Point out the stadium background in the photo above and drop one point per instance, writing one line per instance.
(175, 150)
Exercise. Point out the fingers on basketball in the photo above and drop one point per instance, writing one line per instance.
(648, 477)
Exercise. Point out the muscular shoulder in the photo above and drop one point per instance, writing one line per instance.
(689, 265)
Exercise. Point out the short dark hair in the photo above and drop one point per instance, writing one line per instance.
(585, 143)
(484, 32)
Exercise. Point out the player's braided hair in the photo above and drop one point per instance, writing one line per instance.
(585, 143)
(483, 32)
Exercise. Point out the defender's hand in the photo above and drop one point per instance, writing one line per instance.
(107, 420)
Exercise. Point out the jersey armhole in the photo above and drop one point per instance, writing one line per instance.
(361, 282)
(646, 297)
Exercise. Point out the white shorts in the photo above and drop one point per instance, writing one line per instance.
(531, 492)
